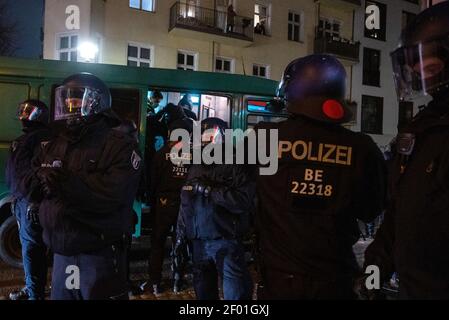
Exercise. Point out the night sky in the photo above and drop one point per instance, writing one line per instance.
(29, 17)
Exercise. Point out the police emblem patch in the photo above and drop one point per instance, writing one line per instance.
(135, 160)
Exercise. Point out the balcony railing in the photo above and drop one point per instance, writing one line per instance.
(183, 15)
(339, 47)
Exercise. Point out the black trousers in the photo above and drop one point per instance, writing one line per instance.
(98, 275)
(165, 219)
(277, 285)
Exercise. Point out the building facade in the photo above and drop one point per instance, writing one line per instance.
(259, 38)
(379, 112)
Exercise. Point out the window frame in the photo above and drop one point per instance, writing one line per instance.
(367, 73)
(231, 61)
(185, 53)
(379, 114)
(140, 60)
(382, 32)
(69, 50)
(153, 9)
(267, 70)
(332, 22)
(293, 23)
(267, 17)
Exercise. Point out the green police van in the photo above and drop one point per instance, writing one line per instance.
(240, 100)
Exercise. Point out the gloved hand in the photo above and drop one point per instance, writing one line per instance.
(51, 180)
(201, 188)
(363, 293)
(33, 213)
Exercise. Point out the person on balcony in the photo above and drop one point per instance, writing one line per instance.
(230, 19)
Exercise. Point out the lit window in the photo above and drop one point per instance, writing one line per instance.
(262, 71)
(187, 61)
(145, 5)
(139, 56)
(261, 18)
(67, 48)
(224, 65)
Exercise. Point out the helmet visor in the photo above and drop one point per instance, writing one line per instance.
(421, 69)
(28, 111)
(73, 102)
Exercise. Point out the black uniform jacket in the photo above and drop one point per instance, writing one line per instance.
(414, 238)
(19, 174)
(99, 175)
(226, 212)
(328, 177)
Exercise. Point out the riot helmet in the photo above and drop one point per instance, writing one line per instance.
(421, 61)
(315, 86)
(213, 130)
(31, 111)
(81, 95)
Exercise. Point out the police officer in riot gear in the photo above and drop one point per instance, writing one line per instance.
(328, 177)
(89, 176)
(168, 175)
(34, 117)
(414, 237)
(216, 203)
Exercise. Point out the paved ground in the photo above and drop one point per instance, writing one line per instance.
(12, 279)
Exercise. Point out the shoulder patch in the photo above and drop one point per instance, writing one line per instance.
(135, 160)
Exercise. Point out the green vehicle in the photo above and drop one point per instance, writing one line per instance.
(239, 100)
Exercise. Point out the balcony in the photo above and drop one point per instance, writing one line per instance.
(341, 48)
(186, 18)
(341, 4)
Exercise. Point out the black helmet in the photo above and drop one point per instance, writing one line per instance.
(213, 130)
(172, 113)
(81, 95)
(315, 86)
(33, 111)
(421, 63)
(185, 123)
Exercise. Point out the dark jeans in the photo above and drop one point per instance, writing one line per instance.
(34, 252)
(284, 286)
(102, 275)
(224, 258)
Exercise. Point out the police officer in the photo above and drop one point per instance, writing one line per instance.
(328, 177)
(216, 204)
(34, 117)
(414, 237)
(186, 105)
(89, 175)
(167, 178)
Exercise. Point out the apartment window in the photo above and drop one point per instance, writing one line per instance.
(372, 114)
(329, 28)
(376, 21)
(294, 26)
(224, 65)
(67, 48)
(139, 56)
(262, 71)
(261, 18)
(371, 67)
(405, 113)
(145, 5)
(187, 61)
(407, 17)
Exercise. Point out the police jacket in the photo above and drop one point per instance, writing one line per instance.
(225, 213)
(168, 175)
(19, 174)
(328, 177)
(414, 237)
(98, 175)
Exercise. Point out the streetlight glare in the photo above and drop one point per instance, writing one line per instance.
(88, 51)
